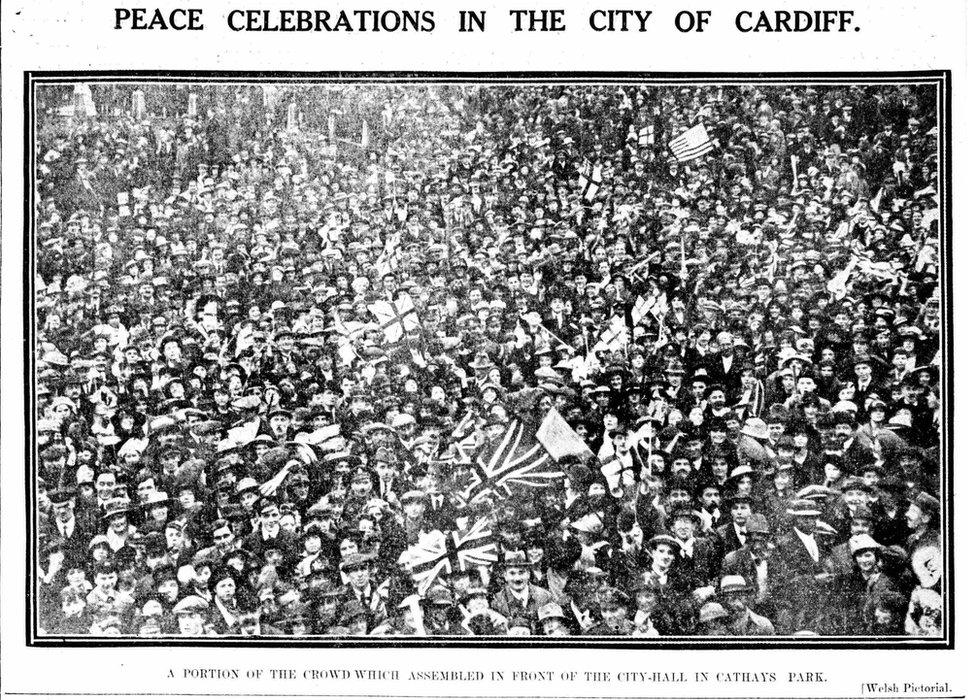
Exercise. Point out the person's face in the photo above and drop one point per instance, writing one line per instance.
(720, 468)
(867, 561)
(223, 538)
(145, 489)
(279, 424)
(741, 511)
(806, 385)
(516, 578)
(106, 582)
(270, 516)
(683, 528)
(168, 590)
(360, 487)
(915, 517)
(348, 547)
(831, 472)
(535, 553)
(855, 497)
(736, 603)
(679, 497)
(555, 627)
(662, 556)
(105, 485)
(711, 498)
(225, 589)
(64, 511)
(191, 625)
(681, 464)
(359, 576)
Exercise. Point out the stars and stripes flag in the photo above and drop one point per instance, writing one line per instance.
(691, 144)
(516, 459)
(396, 318)
(438, 553)
(591, 177)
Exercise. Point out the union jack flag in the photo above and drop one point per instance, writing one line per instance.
(517, 459)
(396, 318)
(438, 553)
(590, 179)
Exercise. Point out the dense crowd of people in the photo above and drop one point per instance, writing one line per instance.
(357, 359)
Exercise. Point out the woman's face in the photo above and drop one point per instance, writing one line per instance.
(225, 589)
(347, 547)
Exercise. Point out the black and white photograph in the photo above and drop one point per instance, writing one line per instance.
(434, 359)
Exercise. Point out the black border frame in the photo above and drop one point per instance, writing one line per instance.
(941, 79)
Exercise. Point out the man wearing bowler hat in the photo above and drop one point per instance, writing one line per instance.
(517, 597)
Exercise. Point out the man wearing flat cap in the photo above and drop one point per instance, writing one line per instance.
(73, 527)
(736, 595)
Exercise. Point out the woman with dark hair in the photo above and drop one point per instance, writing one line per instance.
(224, 610)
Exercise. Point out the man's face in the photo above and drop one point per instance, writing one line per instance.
(145, 489)
(915, 517)
(678, 497)
(711, 498)
(279, 424)
(662, 556)
(270, 516)
(741, 511)
(683, 528)
(105, 486)
(516, 578)
(359, 576)
(64, 511)
(223, 538)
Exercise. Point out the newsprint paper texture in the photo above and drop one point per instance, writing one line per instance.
(485, 351)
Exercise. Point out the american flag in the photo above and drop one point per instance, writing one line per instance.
(692, 143)
(516, 459)
(438, 553)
